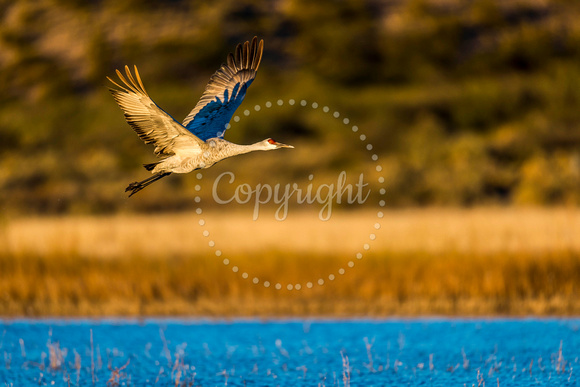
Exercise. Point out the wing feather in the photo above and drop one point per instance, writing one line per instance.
(225, 91)
(151, 123)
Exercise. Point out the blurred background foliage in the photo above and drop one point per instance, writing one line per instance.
(465, 102)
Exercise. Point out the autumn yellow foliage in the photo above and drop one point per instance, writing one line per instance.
(488, 261)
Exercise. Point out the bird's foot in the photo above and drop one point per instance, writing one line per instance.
(133, 186)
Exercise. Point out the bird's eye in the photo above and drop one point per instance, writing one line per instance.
(271, 141)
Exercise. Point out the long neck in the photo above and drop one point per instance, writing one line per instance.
(236, 149)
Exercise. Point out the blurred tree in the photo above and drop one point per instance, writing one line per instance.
(334, 38)
(467, 103)
(421, 41)
(487, 13)
(98, 54)
(550, 179)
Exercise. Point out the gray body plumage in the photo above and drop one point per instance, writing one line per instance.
(207, 154)
(198, 142)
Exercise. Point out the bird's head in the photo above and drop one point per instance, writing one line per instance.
(271, 144)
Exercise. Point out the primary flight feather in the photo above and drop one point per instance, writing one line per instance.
(197, 142)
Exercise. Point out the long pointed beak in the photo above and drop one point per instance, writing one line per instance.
(280, 145)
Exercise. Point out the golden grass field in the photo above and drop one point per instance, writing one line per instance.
(483, 261)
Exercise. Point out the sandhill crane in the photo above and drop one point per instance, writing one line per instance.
(198, 142)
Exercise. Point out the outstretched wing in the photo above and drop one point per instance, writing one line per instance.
(149, 121)
(225, 92)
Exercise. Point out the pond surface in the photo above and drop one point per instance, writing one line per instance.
(416, 352)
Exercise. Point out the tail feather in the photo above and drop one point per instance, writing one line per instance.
(139, 185)
(150, 167)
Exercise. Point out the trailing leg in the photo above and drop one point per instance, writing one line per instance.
(139, 185)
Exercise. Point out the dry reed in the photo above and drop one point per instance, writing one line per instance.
(449, 262)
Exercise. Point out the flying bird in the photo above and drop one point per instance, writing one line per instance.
(197, 142)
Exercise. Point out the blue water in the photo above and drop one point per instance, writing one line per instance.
(423, 352)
